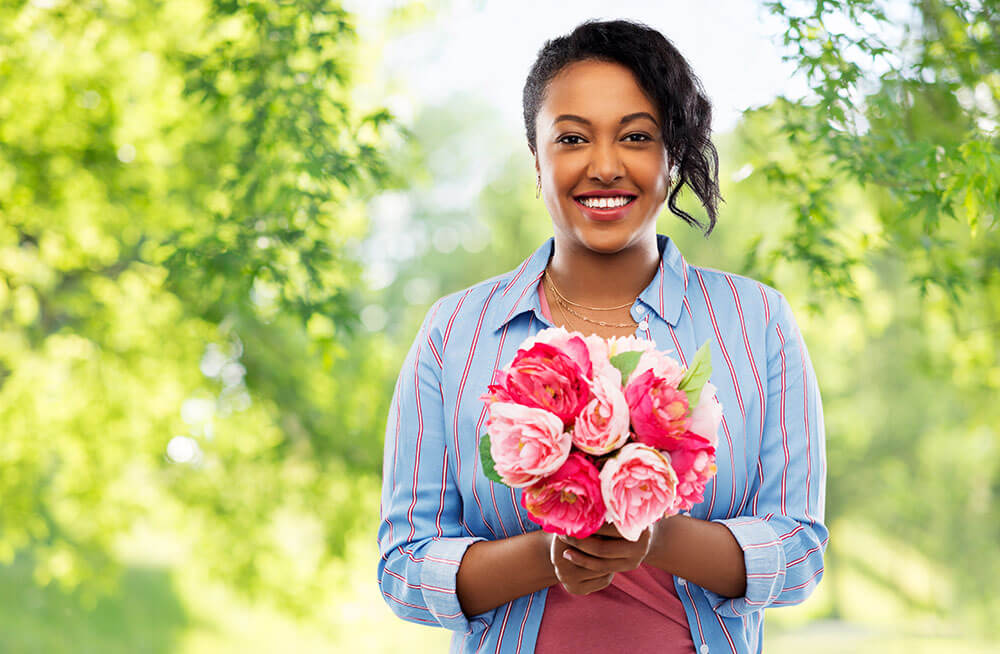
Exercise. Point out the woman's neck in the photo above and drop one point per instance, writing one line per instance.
(603, 280)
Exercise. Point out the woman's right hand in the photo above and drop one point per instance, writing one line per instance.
(575, 579)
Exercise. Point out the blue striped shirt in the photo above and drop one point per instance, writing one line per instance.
(769, 489)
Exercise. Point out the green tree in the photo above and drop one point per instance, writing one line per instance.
(907, 106)
(180, 188)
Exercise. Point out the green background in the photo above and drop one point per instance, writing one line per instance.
(198, 344)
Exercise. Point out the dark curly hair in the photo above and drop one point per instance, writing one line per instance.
(665, 76)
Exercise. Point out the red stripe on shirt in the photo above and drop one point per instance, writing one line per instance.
(479, 427)
(461, 389)
(746, 344)
(420, 437)
(781, 416)
(451, 320)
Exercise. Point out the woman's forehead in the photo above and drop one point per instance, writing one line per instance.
(597, 91)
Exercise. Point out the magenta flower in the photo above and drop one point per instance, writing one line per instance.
(546, 377)
(584, 350)
(694, 468)
(569, 501)
(660, 414)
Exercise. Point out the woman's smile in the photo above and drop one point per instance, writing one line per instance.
(605, 206)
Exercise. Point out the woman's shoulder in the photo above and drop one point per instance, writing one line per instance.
(733, 289)
(473, 303)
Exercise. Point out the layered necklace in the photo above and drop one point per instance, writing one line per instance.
(567, 305)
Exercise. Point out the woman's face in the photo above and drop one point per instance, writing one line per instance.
(598, 132)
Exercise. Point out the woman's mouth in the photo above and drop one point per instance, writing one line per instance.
(605, 207)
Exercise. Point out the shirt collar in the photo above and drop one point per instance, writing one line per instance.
(664, 294)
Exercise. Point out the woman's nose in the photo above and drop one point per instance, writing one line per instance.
(605, 164)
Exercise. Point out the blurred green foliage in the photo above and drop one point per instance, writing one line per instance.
(180, 186)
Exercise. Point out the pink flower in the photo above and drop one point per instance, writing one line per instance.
(572, 344)
(598, 349)
(660, 414)
(526, 443)
(639, 488)
(665, 367)
(546, 377)
(650, 358)
(603, 425)
(569, 501)
(694, 468)
(707, 415)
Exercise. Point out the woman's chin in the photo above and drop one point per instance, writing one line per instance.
(607, 238)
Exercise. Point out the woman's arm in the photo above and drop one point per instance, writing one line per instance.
(431, 570)
(421, 538)
(495, 572)
(703, 552)
(782, 531)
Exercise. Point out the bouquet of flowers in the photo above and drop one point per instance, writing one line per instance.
(601, 430)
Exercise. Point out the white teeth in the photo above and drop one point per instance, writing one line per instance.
(605, 203)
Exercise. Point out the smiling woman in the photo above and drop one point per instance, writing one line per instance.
(617, 124)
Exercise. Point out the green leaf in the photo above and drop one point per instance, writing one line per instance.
(489, 466)
(626, 363)
(697, 374)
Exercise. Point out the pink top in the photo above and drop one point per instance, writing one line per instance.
(638, 610)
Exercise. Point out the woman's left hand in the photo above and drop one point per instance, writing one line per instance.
(607, 551)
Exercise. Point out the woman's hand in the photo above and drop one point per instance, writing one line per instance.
(576, 579)
(585, 565)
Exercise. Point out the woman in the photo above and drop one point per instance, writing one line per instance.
(617, 123)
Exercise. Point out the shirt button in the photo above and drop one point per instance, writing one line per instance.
(704, 648)
(682, 582)
(644, 324)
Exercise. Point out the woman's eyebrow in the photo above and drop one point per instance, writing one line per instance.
(625, 119)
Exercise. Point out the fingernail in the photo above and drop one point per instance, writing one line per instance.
(567, 555)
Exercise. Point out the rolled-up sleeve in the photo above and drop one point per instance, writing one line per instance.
(420, 537)
(783, 537)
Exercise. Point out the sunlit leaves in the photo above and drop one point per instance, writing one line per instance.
(916, 119)
(178, 179)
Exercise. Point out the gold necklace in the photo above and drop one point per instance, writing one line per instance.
(565, 307)
(562, 297)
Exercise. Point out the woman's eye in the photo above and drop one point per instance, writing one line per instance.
(563, 139)
(640, 139)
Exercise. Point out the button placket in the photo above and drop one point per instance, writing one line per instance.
(639, 315)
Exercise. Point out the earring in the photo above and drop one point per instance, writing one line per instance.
(538, 189)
